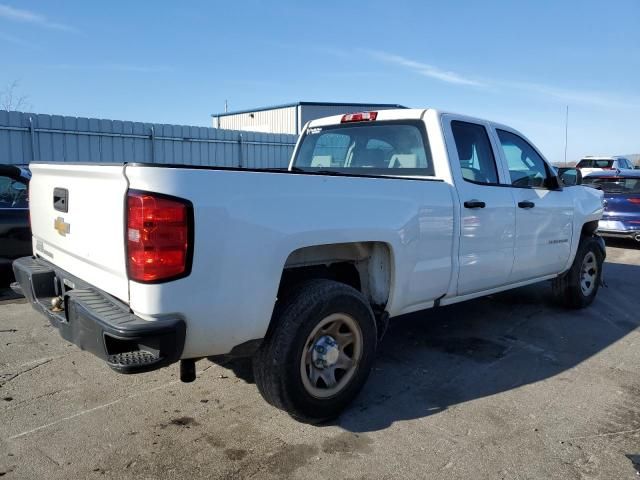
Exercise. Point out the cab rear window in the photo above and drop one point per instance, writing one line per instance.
(384, 148)
(595, 164)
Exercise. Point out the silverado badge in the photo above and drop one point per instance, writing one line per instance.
(61, 227)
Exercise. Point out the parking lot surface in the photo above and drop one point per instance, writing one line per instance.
(504, 387)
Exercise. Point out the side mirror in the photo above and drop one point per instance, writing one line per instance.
(18, 186)
(553, 183)
(570, 176)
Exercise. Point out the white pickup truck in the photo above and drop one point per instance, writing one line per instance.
(379, 214)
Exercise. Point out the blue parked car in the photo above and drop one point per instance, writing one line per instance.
(622, 202)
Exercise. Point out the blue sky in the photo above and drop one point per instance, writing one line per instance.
(519, 63)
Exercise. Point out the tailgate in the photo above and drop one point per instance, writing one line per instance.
(77, 221)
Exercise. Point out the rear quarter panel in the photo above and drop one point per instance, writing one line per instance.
(248, 223)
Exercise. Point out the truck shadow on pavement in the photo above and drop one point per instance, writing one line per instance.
(627, 244)
(635, 461)
(435, 359)
(431, 360)
(8, 296)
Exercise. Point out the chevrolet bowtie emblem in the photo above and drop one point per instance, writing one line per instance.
(61, 227)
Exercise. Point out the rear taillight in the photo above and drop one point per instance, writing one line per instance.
(359, 117)
(634, 200)
(159, 237)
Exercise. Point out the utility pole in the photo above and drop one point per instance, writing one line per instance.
(566, 135)
(226, 107)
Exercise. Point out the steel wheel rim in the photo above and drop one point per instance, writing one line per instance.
(588, 274)
(327, 368)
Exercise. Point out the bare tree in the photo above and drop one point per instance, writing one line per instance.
(11, 99)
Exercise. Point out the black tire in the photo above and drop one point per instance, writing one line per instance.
(277, 364)
(567, 290)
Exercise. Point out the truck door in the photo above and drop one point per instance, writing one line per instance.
(487, 209)
(544, 213)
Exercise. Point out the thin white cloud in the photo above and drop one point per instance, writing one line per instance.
(425, 69)
(16, 40)
(575, 96)
(26, 16)
(122, 67)
(565, 95)
(354, 74)
(113, 67)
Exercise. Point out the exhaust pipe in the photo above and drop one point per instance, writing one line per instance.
(637, 237)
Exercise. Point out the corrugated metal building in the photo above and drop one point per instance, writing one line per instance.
(288, 118)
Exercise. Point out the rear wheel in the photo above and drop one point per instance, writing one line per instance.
(319, 351)
(578, 287)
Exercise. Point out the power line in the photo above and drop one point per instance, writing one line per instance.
(566, 135)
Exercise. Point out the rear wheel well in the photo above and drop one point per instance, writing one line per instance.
(365, 266)
(343, 272)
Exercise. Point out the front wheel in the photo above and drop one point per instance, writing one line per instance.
(318, 352)
(578, 287)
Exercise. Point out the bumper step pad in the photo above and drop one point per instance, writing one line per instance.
(137, 358)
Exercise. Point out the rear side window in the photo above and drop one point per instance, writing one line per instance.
(385, 148)
(475, 154)
(613, 184)
(593, 163)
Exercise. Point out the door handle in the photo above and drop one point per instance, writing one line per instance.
(526, 204)
(474, 204)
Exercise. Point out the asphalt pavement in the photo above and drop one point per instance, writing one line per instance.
(504, 387)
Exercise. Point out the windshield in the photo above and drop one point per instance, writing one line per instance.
(389, 148)
(595, 164)
(613, 184)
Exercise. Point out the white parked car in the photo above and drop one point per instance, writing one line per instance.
(379, 214)
(598, 164)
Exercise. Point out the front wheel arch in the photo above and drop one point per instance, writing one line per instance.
(589, 228)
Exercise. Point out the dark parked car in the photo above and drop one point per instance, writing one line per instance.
(15, 233)
(622, 202)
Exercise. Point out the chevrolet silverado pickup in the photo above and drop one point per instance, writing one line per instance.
(379, 214)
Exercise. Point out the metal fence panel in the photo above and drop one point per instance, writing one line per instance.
(28, 137)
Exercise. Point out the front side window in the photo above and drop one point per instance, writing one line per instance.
(384, 148)
(13, 193)
(477, 162)
(526, 167)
